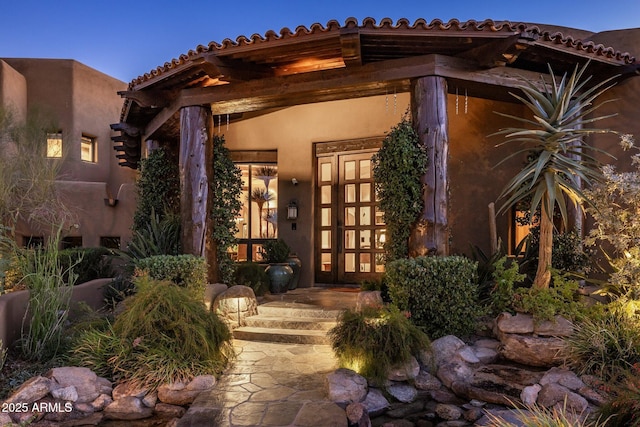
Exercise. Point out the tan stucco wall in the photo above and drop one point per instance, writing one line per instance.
(82, 100)
(473, 180)
(13, 91)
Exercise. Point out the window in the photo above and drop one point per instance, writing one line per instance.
(110, 242)
(258, 218)
(71, 242)
(88, 149)
(520, 229)
(54, 145)
(32, 242)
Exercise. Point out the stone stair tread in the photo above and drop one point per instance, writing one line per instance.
(279, 309)
(289, 322)
(300, 336)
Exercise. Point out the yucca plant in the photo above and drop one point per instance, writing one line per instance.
(562, 116)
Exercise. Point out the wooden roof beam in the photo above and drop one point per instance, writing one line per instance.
(149, 99)
(496, 53)
(230, 70)
(351, 46)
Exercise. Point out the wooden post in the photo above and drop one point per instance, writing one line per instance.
(430, 235)
(493, 233)
(196, 171)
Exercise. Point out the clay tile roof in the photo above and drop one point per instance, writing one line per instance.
(387, 24)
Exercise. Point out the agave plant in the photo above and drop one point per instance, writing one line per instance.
(562, 117)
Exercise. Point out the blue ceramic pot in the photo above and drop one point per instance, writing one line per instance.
(295, 264)
(279, 275)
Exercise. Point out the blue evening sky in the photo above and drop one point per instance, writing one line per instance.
(126, 38)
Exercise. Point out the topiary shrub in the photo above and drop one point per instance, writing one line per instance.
(164, 335)
(370, 342)
(441, 293)
(253, 275)
(188, 271)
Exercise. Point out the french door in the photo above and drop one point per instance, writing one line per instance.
(350, 231)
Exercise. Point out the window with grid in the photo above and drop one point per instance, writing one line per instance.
(88, 149)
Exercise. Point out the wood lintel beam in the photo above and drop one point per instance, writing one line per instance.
(495, 53)
(231, 70)
(148, 99)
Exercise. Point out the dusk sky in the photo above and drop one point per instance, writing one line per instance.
(125, 39)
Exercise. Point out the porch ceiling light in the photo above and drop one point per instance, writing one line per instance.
(292, 210)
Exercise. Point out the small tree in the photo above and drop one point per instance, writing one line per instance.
(397, 168)
(561, 119)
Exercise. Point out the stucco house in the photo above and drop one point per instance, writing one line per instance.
(315, 103)
(82, 103)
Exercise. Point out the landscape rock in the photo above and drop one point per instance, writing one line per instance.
(473, 414)
(33, 389)
(129, 389)
(235, 304)
(167, 410)
(448, 412)
(444, 349)
(559, 327)
(450, 373)
(518, 324)
(83, 379)
(345, 386)
(466, 354)
(404, 372)
(211, 291)
(426, 381)
(357, 415)
(101, 402)
(127, 408)
(202, 382)
(68, 393)
(532, 351)
(150, 399)
(406, 410)
(552, 394)
(398, 423)
(529, 394)
(368, 299)
(177, 394)
(5, 419)
(592, 396)
(375, 402)
(563, 377)
(402, 392)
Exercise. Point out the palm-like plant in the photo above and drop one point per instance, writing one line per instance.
(562, 113)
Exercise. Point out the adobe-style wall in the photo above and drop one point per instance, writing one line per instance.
(13, 91)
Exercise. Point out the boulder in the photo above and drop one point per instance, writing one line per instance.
(426, 381)
(529, 394)
(345, 386)
(83, 379)
(202, 382)
(101, 402)
(486, 355)
(552, 394)
(448, 412)
(375, 402)
(235, 304)
(402, 392)
(127, 408)
(68, 393)
(167, 410)
(444, 349)
(368, 299)
(405, 371)
(211, 291)
(33, 389)
(450, 373)
(559, 327)
(518, 324)
(564, 377)
(129, 389)
(357, 415)
(177, 394)
(532, 351)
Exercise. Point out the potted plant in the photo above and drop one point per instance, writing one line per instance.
(276, 252)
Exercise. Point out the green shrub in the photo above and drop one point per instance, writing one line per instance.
(441, 293)
(116, 291)
(504, 279)
(372, 341)
(90, 263)
(160, 236)
(561, 298)
(188, 271)
(164, 335)
(623, 409)
(275, 251)
(253, 275)
(604, 346)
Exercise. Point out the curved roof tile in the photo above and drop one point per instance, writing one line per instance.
(387, 23)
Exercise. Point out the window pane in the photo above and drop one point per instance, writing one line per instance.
(381, 237)
(54, 145)
(326, 217)
(88, 149)
(365, 239)
(365, 169)
(264, 199)
(379, 263)
(350, 216)
(379, 216)
(325, 262)
(365, 263)
(365, 215)
(350, 263)
(326, 239)
(350, 239)
(325, 194)
(365, 192)
(350, 170)
(325, 172)
(350, 193)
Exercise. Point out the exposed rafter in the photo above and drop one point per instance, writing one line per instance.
(351, 48)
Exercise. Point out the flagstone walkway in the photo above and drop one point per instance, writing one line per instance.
(271, 384)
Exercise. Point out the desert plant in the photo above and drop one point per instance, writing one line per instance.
(188, 271)
(89, 263)
(275, 251)
(253, 275)
(441, 293)
(538, 416)
(157, 237)
(605, 345)
(226, 188)
(375, 339)
(564, 161)
(116, 291)
(397, 169)
(164, 335)
(49, 300)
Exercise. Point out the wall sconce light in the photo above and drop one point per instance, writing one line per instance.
(292, 210)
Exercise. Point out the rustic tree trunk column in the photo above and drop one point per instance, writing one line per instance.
(196, 172)
(430, 235)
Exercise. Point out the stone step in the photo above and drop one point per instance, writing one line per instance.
(291, 336)
(297, 310)
(298, 323)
